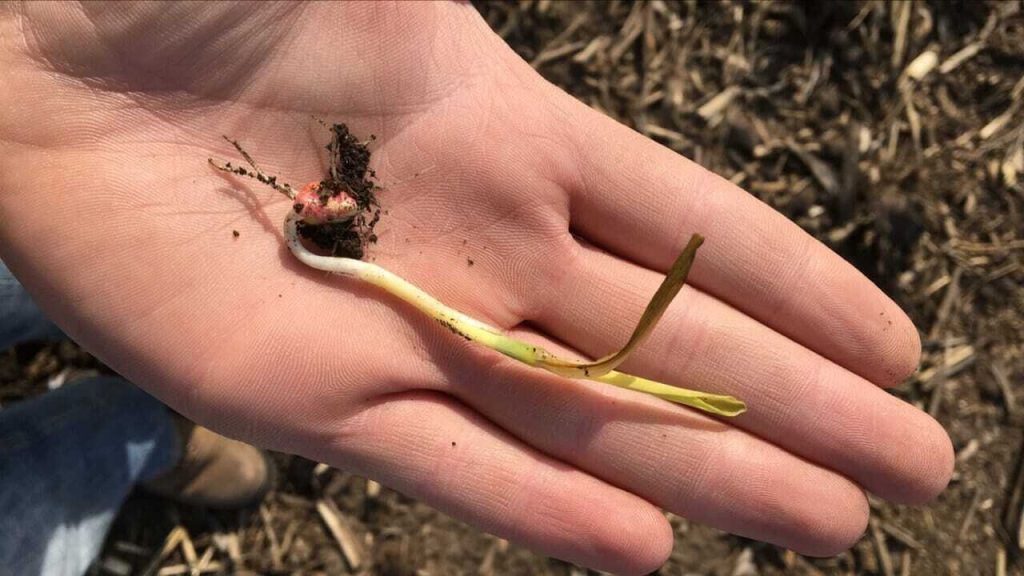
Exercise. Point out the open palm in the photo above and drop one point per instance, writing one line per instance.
(506, 199)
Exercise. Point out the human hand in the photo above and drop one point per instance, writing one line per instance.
(111, 216)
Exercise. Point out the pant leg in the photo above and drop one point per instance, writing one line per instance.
(20, 319)
(70, 457)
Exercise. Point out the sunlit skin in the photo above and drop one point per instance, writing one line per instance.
(111, 217)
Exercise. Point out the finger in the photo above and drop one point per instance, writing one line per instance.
(431, 447)
(699, 468)
(642, 201)
(795, 398)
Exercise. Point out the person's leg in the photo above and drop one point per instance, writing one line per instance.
(20, 319)
(68, 459)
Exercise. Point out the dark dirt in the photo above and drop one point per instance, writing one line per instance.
(893, 132)
(343, 239)
(350, 173)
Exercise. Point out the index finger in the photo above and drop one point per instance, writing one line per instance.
(641, 201)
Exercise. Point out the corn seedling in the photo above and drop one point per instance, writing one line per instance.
(325, 202)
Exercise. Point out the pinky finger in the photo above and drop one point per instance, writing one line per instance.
(430, 446)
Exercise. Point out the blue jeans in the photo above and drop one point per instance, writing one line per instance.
(70, 457)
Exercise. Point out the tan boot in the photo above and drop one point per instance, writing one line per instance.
(214, 471)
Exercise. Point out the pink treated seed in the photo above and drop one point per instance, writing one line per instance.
(313, 210)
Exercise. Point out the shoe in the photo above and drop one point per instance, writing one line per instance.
(214, 471)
